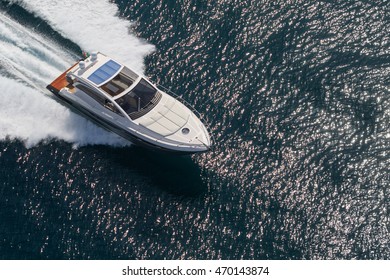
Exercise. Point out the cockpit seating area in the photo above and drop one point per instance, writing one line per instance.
(117, 85)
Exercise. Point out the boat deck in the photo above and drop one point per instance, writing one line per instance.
(60, 82)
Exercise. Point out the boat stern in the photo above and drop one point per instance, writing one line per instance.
(60, 82)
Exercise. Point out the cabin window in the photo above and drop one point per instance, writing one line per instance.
(91, 93)
(99, 98)
(140, 100)
(118, 84)
(144, 91)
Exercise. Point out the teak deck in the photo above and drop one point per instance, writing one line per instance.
(60, 81)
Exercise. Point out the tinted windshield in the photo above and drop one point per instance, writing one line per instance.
(140, 100)
(145, 91)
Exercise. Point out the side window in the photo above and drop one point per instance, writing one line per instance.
(99, 98)
(110, 106)
(91, 93)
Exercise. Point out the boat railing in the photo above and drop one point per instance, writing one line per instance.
(196, 112)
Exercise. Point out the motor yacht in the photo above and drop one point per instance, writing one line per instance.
(128, 104)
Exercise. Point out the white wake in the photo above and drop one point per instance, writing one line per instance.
(29, 61)
(94, 26)
(29, 115)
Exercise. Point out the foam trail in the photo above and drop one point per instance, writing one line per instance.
(26, 112)
(29, 115)
(28, 56)
(93, 26)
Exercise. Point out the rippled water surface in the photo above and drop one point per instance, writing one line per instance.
(296, 94)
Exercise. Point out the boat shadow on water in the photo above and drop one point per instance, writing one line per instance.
(175, 174)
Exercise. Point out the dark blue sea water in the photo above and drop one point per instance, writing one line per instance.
(297, 95)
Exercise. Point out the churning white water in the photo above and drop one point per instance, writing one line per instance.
(29, 61)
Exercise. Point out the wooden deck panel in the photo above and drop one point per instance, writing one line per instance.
(61, 81)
